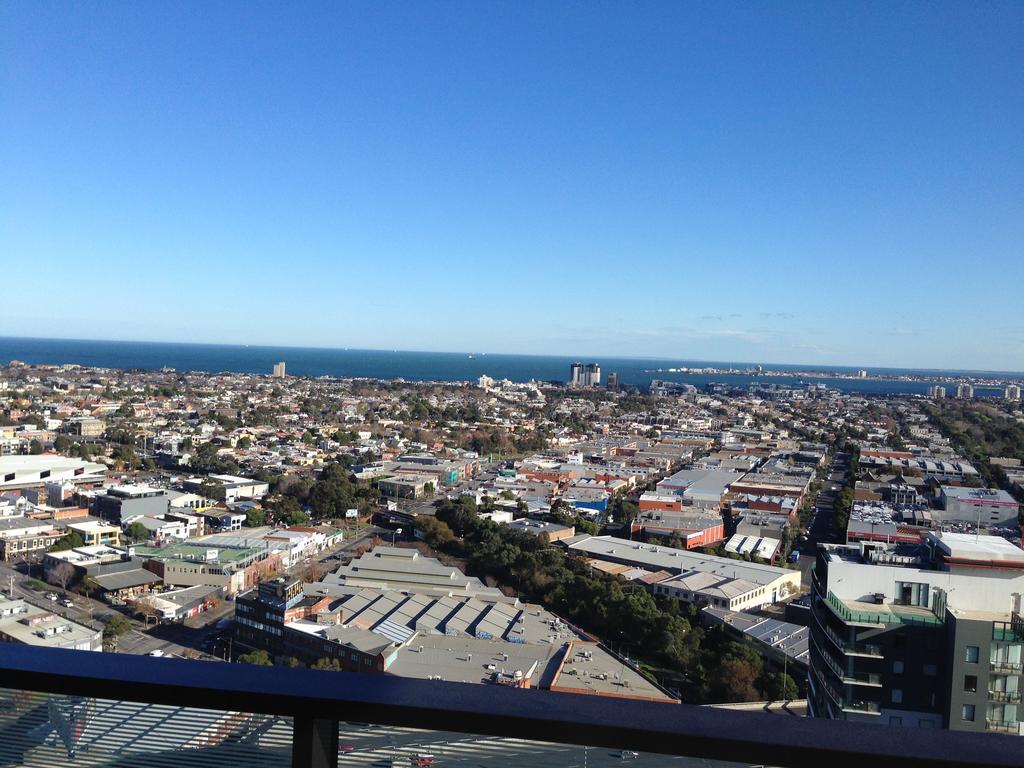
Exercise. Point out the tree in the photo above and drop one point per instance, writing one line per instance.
(295, 517)
(259, 658)
(329, 665)
(125, 454)
(137, 532)
(62, 575)
(775, 686)
(736, 681)
(435, 532)
(255, 517)
(62, 444)
(115, 626)
(211, 489)
(35, 447)
(70, 540)
(148, 610)
(244, 443)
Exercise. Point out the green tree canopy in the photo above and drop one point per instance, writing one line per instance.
(259, 658)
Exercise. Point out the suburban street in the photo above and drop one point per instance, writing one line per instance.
(820, 530)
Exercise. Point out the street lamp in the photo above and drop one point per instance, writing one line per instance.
(393, 534)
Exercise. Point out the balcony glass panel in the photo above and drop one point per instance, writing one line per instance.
(38, 729)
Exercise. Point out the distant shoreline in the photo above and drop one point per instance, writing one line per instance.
(662, 363)
(454, 367)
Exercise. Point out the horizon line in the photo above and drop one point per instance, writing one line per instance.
(582, 357)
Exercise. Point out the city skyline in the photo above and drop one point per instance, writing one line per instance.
(820, 185)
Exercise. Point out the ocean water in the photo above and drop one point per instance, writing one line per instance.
(425, 366)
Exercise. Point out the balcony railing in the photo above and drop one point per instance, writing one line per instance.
(1002, 726)
(862, 706)
(1009, 697)
(882, 617)
(315, 702)
(1006, 667)
(853, 649)
(863, 678)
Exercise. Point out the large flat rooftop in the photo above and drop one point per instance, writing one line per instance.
(654, 557)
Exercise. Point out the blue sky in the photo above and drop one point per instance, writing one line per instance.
(787, 182)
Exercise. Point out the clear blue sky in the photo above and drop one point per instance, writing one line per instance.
(814, 182)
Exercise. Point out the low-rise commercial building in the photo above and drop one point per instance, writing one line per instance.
(20, 472)
(22, 537)
(989, 506)
(227, 487)
(694, 528)
(700, 488)
(22, 622)
(764, 584)
(94, 532)
(124, 502)
(233, 569)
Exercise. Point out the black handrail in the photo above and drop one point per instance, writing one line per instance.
(318, 698)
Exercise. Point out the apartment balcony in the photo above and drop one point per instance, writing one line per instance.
(862, 707)
(1007, 697)
(863, 678)
(853, 649)
(1003, 726)
(1006, 667)
(858, 612)
(90, 709)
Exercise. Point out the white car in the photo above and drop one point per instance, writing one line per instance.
(156, 654)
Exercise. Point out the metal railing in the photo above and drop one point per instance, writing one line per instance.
(862, 705)
(1002, 726)
(853, 649)
(881, 617)
(1009, 697)
(317, 701)
(1006, 667)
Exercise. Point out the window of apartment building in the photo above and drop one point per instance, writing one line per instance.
(1005, 653)
(929, 670)
(971, 654)
(897, 695)
(971, 683)
(967, 713)
(897, 667)
(895, 721)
